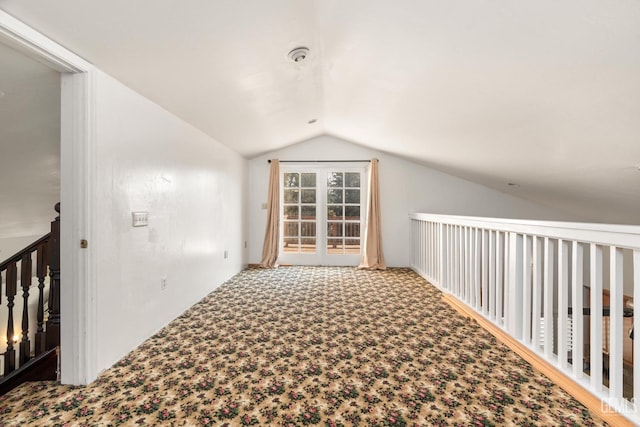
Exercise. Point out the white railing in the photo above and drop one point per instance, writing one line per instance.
(519, 274)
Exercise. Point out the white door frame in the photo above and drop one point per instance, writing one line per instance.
(77, 192)
(321, 257)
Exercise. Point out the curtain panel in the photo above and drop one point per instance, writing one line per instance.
(372, 256)
(271, 234)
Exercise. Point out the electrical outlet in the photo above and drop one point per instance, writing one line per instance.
(245, 244)
(163, 283)
(226, 254)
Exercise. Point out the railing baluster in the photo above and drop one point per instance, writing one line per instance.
(465, 265)
(536, 252)
(595, 272)
(442, 238)
(421, 248)
(429, 242)
(548, 299)
(477, 281)
(452, 258)
(514, 285)
(563, 306)
(526, 289)
(616, 325)
(41, 272)
(25, 282)
(636, 325)
(459, 262)
(493, 237)
(10, 289)
(499, 278)
(485, 271)
(577, 290)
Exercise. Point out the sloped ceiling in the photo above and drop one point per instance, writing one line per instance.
(541, 94)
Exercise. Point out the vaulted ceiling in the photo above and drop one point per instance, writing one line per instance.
(542, 94)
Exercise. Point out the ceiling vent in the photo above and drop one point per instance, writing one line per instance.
(299, 54)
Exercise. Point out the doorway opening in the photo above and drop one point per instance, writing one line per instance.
(322, 214)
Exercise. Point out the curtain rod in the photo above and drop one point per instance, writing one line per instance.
(322, 161)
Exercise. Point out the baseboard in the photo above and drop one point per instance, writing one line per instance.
(41, 368)
(587, 399)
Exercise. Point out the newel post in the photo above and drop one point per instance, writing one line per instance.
(53, 323)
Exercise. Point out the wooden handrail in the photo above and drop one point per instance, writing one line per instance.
(29, 249)
(47, 334)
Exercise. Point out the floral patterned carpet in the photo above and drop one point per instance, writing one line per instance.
(300, 346)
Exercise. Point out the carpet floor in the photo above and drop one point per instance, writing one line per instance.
(300, 346)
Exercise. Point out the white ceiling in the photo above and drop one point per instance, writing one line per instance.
(544, 94)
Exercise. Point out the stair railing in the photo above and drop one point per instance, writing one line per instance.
(45, 254)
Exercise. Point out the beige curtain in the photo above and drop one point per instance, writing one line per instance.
(372, 257)
(270, 246)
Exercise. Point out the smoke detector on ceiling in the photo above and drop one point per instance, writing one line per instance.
(299, 54)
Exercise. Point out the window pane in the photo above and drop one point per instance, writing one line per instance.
(308, 196)
(291, 229)
(308, 229)
(334, 179)
(309, 180)
(334, 196)
(334, 229)
(290, 245)
(291, 180)
(291, 196)
(308, 245)
(290, 212)
(352, 213)
(334, 212)
(352, 229)
(352, 246)
(334, 246)
(309, 212)
(352, 196)
(352, 179)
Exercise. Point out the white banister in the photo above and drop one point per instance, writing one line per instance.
(499, 279)
(563, 304)
(526, 289)
(477, 285)
(493, 264)
(596, 316)
(577, 353)
(615, 325)
(548, 299)
(636, 325)
(536, 305)
(514, 286)
(531, 279)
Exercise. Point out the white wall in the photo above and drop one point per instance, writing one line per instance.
(10, 246)
(404, 187)
(194, 190)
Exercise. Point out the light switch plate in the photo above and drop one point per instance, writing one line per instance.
(140, 219)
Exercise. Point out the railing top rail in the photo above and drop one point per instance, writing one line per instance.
(605, 234)
(32, 247)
